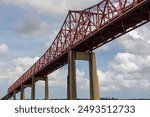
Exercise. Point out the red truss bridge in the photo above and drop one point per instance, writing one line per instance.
(86, 30)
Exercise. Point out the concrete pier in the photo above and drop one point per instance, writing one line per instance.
(71, 79)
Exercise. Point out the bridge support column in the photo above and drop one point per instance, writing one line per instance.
(94, 84)
(72, 95)
(14, 95)
(22, 93)
(33, 89)
(35, 79)
(71, 80)
(46, 89)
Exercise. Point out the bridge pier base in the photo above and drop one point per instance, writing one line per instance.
(35, 79)
(94, 85)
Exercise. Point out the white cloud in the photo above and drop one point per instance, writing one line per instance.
(135, 34)
(82, 82)
(111, 81)
(51, 38)
(8, 75)
(25, 62)
(11, 72)
(50, 6)
(103, 48)
(130, 69)
(59, 79)
(3, 48)
(106, 81)
(7, 72)
(32, 27)
(125, 62)
(137, 41)
(2, 64)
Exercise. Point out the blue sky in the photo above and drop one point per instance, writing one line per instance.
(27, 28)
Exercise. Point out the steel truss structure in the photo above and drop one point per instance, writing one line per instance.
(87, 30)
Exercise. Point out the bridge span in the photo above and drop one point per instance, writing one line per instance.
(81, 33)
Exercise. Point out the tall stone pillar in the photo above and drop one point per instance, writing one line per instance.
(33, 89)
(22, 93)
(14, 95)
(46, 89)
(72, 95)
(94, 84)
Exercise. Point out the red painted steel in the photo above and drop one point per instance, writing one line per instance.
(87, 30)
